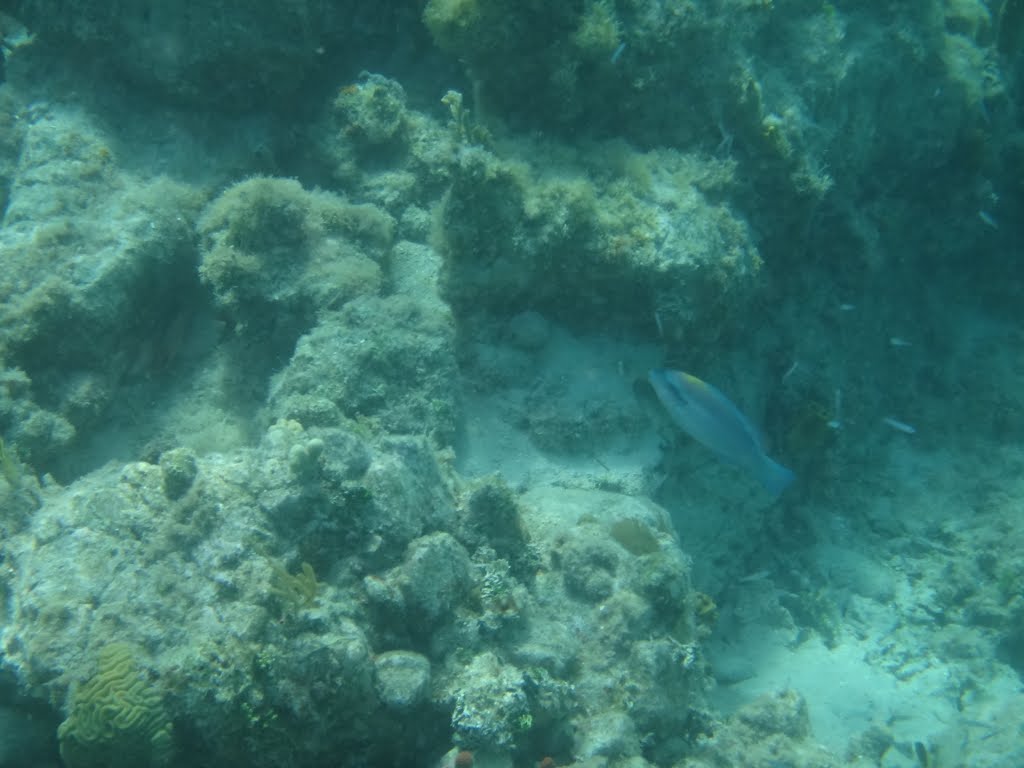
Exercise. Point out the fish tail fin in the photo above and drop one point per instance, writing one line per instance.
(774, 477)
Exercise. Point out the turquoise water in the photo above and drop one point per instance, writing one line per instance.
(328, 436)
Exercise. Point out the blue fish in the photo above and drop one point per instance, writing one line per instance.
(711, 418)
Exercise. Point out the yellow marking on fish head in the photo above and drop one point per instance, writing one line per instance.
(693, 381)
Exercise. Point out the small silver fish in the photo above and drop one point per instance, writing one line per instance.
(899, 426)
(711, 418)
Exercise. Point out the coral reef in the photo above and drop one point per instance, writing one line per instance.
(492, 708)
(298, 590)
(323, 431)
(520, 236)
(275, 256)
(117, 717)
(418, 636)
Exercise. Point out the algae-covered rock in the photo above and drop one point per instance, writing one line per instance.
(492, 708)
(179, 470)
(508, 655)
(581, 66)
(270, 245)
(490, 517)
(372, 112)
(98, 268)
(237, 653)
(386, 362)
(117, 717)
(419, 595)
(32, 431)
(589, 564)
(402, 679)
(775, 727)
(607, 734)
(434, 577)
(275, 256)
(383, 152)
(646, 250)
(603, 599)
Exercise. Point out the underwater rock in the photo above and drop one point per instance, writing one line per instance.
(647, 621)
(490, 517)
(180, 470)
(774, 729)
(402, 679)
(113, 556)
(274, 255)
(386, 362)
(383, 153)
(491, 709)
(609, 734)
(433, 578)
(589, 565)
(372, 111)
(99, 265)
(517, 236)
(415, 269)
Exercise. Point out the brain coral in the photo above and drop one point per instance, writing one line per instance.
(117, 717)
